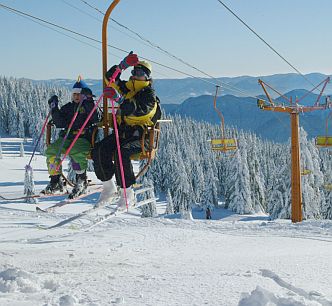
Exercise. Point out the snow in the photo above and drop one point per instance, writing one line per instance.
(230, 260)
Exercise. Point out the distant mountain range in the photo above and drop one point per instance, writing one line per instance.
(243, 113)
(175, 91)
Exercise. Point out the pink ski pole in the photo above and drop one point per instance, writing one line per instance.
(115, 74)
(119, 153)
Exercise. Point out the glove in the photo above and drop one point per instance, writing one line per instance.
(129, 60)
(111, 93)
(110, 73)
(53, 101)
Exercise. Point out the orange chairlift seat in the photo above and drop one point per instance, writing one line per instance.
(222, 144)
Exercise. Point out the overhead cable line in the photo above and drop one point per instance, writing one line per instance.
(265, 42)
(55, 30)
(114, 47)
(95, 18)
(160, 49)
(42, 22)
(21, 13)
(230, 87)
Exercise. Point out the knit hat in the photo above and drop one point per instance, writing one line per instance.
(77, 87)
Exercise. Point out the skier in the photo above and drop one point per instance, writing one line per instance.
(139, 108)
(78, 155)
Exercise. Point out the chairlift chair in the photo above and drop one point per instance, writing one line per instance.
(148, 151)
(324, 141)
(222, 144)
(306, 172)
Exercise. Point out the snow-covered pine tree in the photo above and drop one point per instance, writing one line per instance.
(184, 156)
(20, 125)
(312, 195)
(326, 167)
(279, 185)
(256, 175)
(238, 184)
(24, 103)
(169, 206)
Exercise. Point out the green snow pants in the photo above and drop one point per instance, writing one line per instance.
(78, 155)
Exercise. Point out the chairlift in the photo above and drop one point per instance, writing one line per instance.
(152, 134)
(305, 171)
(328, 187)
(325, 141)
(222, 144)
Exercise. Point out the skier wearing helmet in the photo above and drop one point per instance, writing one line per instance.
(139, 108)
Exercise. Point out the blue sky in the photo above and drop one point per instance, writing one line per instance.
(202, 33)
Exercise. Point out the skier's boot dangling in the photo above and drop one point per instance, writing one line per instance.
(55, 186)
(121, 203)
(80, 186)
(108, 194)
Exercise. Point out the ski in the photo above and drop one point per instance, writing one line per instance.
(42, 195)
(39, 196)
(78, 216)
(53, 208)
(95, 208)
(115, 213)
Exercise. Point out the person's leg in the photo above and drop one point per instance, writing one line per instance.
(104, 168)
(56, 184)
(128, 148)
(79, 155)
(102, 155)
(51, 160)
(79, 160)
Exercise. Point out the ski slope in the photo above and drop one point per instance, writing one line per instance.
(230, 260)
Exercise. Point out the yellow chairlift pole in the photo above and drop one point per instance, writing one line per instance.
(104, 58)
(219, 113)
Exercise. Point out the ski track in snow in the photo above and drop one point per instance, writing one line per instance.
(237, 260)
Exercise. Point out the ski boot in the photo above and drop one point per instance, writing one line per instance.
(55, 186)
(121, 203)
(108, 194)
(80, 187)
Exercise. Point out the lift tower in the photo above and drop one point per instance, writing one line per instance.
(294, 109)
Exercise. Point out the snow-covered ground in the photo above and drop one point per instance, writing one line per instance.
(230, 260)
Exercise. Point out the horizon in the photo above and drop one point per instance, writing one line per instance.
(183, 78)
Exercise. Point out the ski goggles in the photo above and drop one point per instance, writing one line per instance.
(139, 72)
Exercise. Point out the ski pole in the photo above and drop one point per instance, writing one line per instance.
(41, 134)
(112, 79)
(115, 124)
